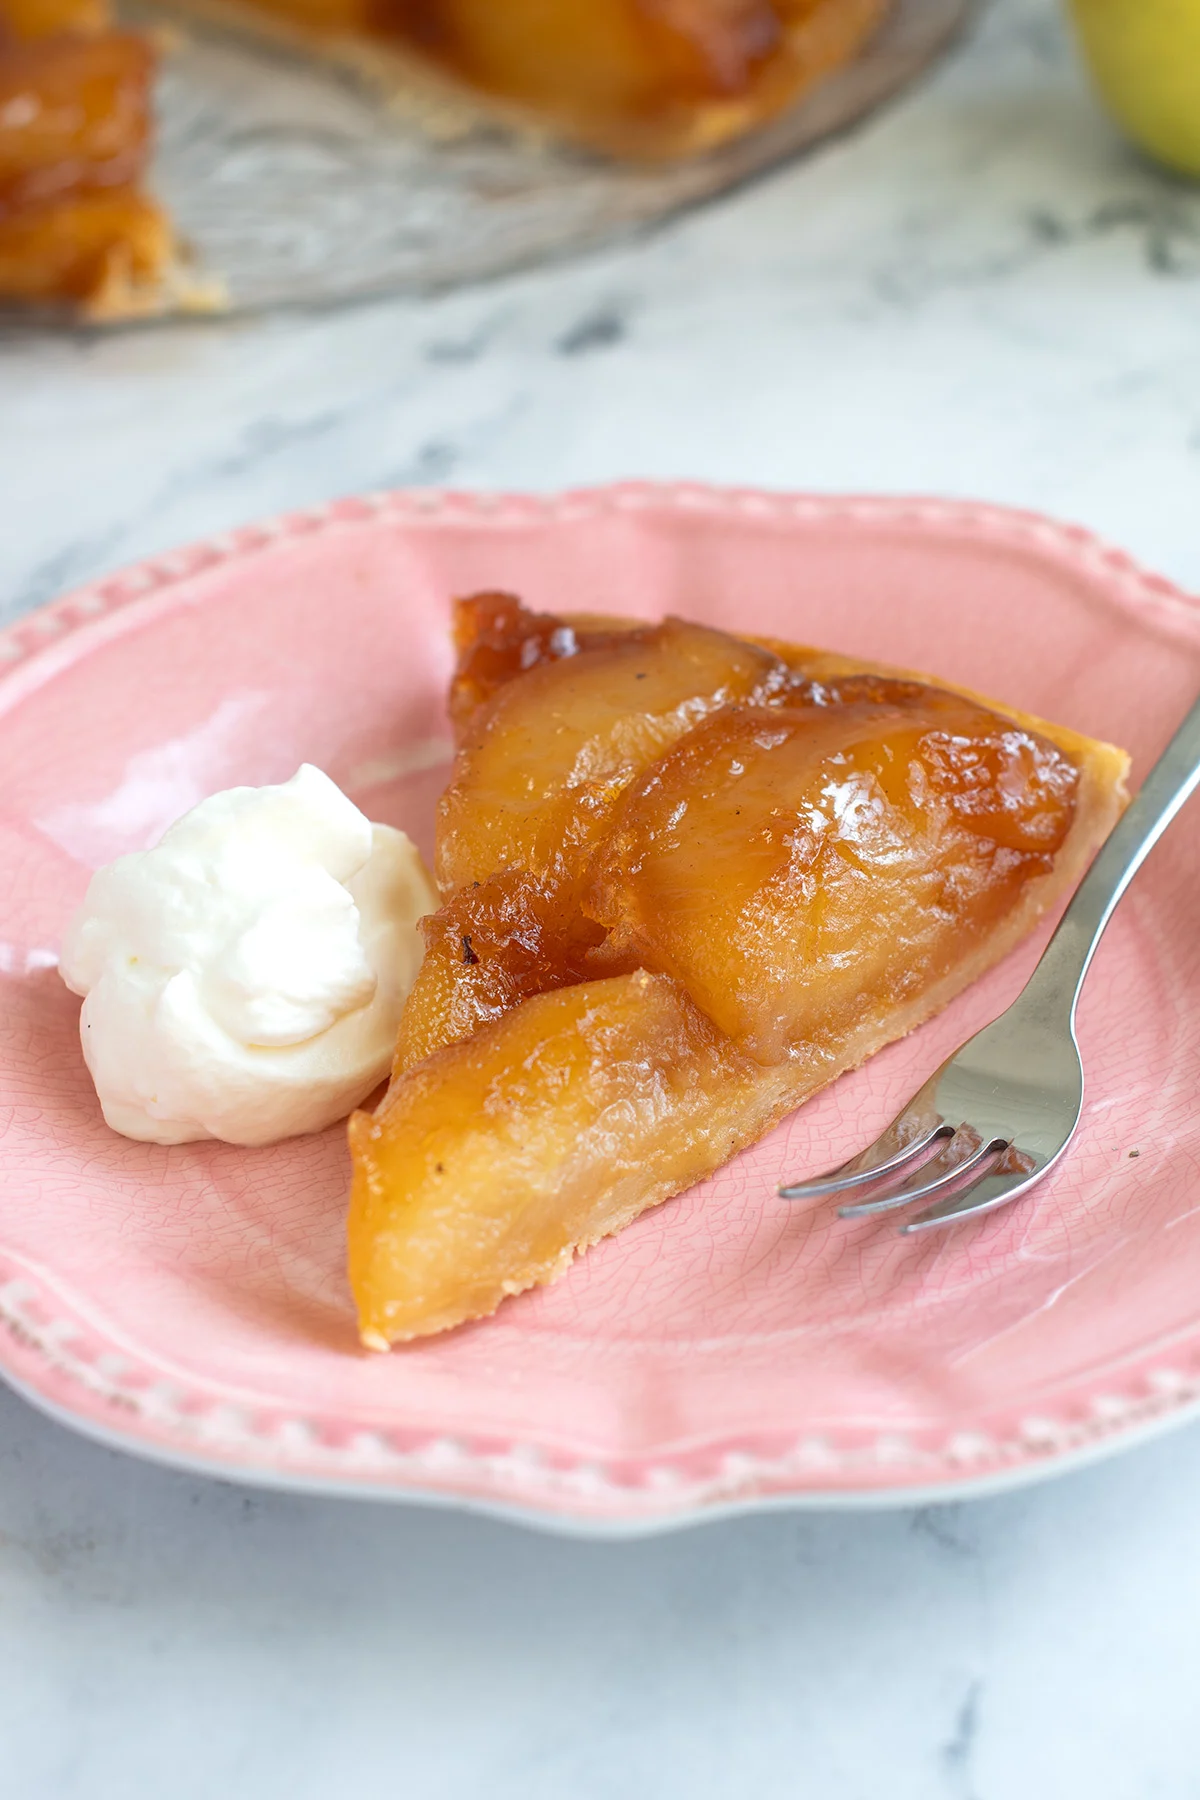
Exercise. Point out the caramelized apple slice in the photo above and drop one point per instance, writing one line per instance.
(487, 1167)
(548, 756)
(598, 55)
(27, 20)
(802, 871)
(490, 947)
(497, 638)
(643, 78)
(74, 116)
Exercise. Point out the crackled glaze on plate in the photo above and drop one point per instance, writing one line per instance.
(191, 1302)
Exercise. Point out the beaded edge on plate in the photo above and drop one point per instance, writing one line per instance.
(237, 1437)
(34, 632)
(232, 1438)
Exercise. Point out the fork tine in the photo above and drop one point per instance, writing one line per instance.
(984, 1195)
(923, 1183)
(852, 1174)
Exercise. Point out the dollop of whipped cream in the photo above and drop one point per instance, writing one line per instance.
(243, 980)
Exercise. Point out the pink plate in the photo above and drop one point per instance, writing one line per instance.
(190, 1303)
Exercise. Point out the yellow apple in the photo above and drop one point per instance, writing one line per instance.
(1145, 56)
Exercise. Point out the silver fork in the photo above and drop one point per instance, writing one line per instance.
(999, 1114)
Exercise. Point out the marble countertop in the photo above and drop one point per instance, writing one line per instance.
(980, 293)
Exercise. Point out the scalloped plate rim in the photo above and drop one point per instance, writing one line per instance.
(619, 1528)
(31, 1362)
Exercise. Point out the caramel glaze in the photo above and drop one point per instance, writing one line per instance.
(644, 78)
(790, 846)
(75, 137)
(688, 880)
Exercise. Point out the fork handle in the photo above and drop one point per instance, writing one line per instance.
(1174, 778)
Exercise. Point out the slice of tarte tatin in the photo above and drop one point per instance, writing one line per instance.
(687, 880)
(78, 227)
